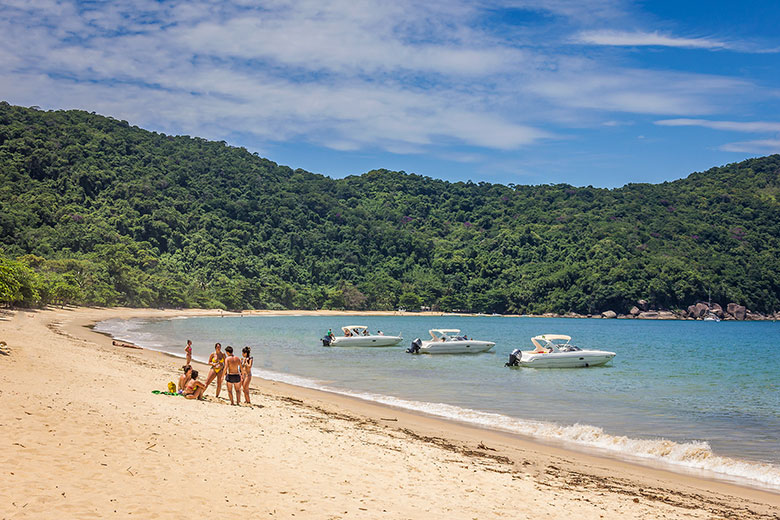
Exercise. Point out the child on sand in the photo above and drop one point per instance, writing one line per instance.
(246, 372)
(233, 368)
(194, 389)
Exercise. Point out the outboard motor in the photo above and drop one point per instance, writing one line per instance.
(514, 358)
(326, 341)
(414, 348)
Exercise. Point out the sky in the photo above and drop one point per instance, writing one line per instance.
(584, 92)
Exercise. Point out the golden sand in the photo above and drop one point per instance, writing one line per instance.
(84, 437)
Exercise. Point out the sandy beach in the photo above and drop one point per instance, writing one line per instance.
(85, 437)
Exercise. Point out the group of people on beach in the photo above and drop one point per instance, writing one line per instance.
(237, 371)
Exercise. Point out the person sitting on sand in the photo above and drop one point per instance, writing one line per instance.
(188, 351)
(233, 368)
(184, 378)
(217, 362)
(194, 389)
(246, 372)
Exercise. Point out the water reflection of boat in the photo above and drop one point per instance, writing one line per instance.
(359, 336)
(448, 341)
(556, 351)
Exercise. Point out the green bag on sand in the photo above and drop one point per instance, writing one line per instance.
(162, 392)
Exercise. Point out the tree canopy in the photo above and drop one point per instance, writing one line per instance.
(95, 211)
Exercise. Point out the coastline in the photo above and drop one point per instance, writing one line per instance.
(398, 464)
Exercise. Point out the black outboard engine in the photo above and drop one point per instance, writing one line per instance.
(514, 358)
(414, 348)
(326, 341)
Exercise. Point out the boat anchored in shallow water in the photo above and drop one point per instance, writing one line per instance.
(448, 341)
(555, 351)
(359, 336)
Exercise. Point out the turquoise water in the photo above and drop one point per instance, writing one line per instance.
(695, 396)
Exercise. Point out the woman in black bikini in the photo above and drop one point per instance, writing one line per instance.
(233, 367)
(246, 372)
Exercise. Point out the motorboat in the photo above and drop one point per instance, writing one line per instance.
(448, 341)
(359, 336)
(556, 351)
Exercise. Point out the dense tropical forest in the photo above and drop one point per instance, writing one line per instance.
(95, 211)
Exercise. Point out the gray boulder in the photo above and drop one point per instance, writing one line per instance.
(642, 304)
(609, 315)
(634, 311)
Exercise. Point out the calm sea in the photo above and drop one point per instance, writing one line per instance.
(691, 396)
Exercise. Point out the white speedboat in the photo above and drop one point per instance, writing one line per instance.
(555, 351)
(448, 341)
(359, 336)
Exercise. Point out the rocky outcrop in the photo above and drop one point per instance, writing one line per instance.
(738, 311)
(609, 315)
(634, 311)
(698, 310)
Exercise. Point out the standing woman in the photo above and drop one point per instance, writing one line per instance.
(246, 372)
(188, 351)
(217, 362)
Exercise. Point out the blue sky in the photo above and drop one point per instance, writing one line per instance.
(600, 92)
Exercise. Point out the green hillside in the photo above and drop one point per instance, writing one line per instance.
(93, 210)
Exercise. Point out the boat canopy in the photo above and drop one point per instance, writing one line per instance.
(548, 338)
(438, 333)
(353, 328)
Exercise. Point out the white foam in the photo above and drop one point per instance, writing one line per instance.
(688, 455)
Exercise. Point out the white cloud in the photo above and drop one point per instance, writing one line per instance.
(404, 76)
(759, 147)
(640, 39)
(734, 126)
(588, 85)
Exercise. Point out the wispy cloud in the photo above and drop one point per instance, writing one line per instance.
(733, 126)
(405, 76)
(644, 39)
(759, 147)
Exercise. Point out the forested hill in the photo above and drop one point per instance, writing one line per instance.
(93, 210)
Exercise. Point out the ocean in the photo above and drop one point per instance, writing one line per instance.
(689, 396)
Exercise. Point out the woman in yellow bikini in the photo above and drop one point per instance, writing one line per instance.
(217, 370)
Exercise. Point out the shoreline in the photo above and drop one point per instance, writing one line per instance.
(508, 461)
(640, 459)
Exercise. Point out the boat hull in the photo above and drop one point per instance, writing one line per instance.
(580, 359)
(455, 347)
(366, 341)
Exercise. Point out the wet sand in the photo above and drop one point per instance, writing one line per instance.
(84, 437)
